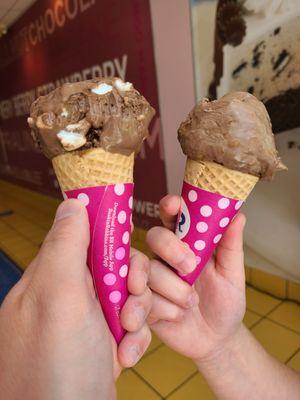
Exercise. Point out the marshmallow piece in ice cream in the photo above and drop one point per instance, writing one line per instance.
(81, 126)
(122, 86)
(102, 88)
(71, 140)
(73, 135)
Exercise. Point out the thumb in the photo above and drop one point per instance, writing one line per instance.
(64, 252)
(230, 254)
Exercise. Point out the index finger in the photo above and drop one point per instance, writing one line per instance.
(138, 273)
(169, 208)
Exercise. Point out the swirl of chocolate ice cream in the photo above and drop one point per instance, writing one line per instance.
(234, 131)
(107, 113)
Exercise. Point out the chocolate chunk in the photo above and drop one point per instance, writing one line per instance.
(277, 30)
(257, 53)
(284, 110)
(238, 69)
(230, 22)
(291, 144)
(280, 63)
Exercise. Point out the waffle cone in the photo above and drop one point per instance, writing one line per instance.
(216, 178)
(93, 167)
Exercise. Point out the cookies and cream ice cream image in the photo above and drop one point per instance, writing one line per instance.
(229, 146)
(91, 131)
(256, 49)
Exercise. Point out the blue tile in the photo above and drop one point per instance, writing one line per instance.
(9, 275)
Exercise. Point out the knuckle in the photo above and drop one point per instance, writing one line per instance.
(58, 234)
(144, 262)
(153, 233)
(148, 296)
(151, 319)
(184, 295)
(177, 314)
(147, 336)
(138, 258)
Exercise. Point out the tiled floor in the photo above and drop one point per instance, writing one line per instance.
(161, 374)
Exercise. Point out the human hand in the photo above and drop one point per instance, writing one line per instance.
(196, 321)
(54, 340)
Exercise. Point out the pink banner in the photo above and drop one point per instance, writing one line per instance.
(203, 219)
(110, 214)
(58, 41)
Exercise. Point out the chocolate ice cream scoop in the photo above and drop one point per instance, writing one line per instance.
(107, 113)
(234, 131)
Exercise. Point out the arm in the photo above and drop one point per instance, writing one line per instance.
(54, 340)
(243, 370)
(234, 364)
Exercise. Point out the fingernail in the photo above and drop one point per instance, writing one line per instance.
(66, 209)
(193, 300)
(139, 312)
(134, 353)
(188, 263)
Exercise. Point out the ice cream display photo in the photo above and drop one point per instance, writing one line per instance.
(91, 131)
(257, 50)
(253, 46)
(229, 146)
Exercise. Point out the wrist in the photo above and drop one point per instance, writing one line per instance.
(223, 349)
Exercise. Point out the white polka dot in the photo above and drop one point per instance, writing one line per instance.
(223, 203)
(217, 238)
(202, 227)
(109, 279)
(206, 211)
(119, 189)
(84, 198)
(198, 259)
(130, 202)
(224, 222)
(192, 195)
(122, 217)
(120, 253)
(115, 296)
(123, 271)
(238, 205)
(125, 237)
(200, 244)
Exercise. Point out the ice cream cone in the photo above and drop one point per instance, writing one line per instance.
(91, 131)
(229, 145)
(103, 181)
(93, 167)
(216, 178)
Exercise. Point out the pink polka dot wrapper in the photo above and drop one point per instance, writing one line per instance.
(203, 219)
(109, 209)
